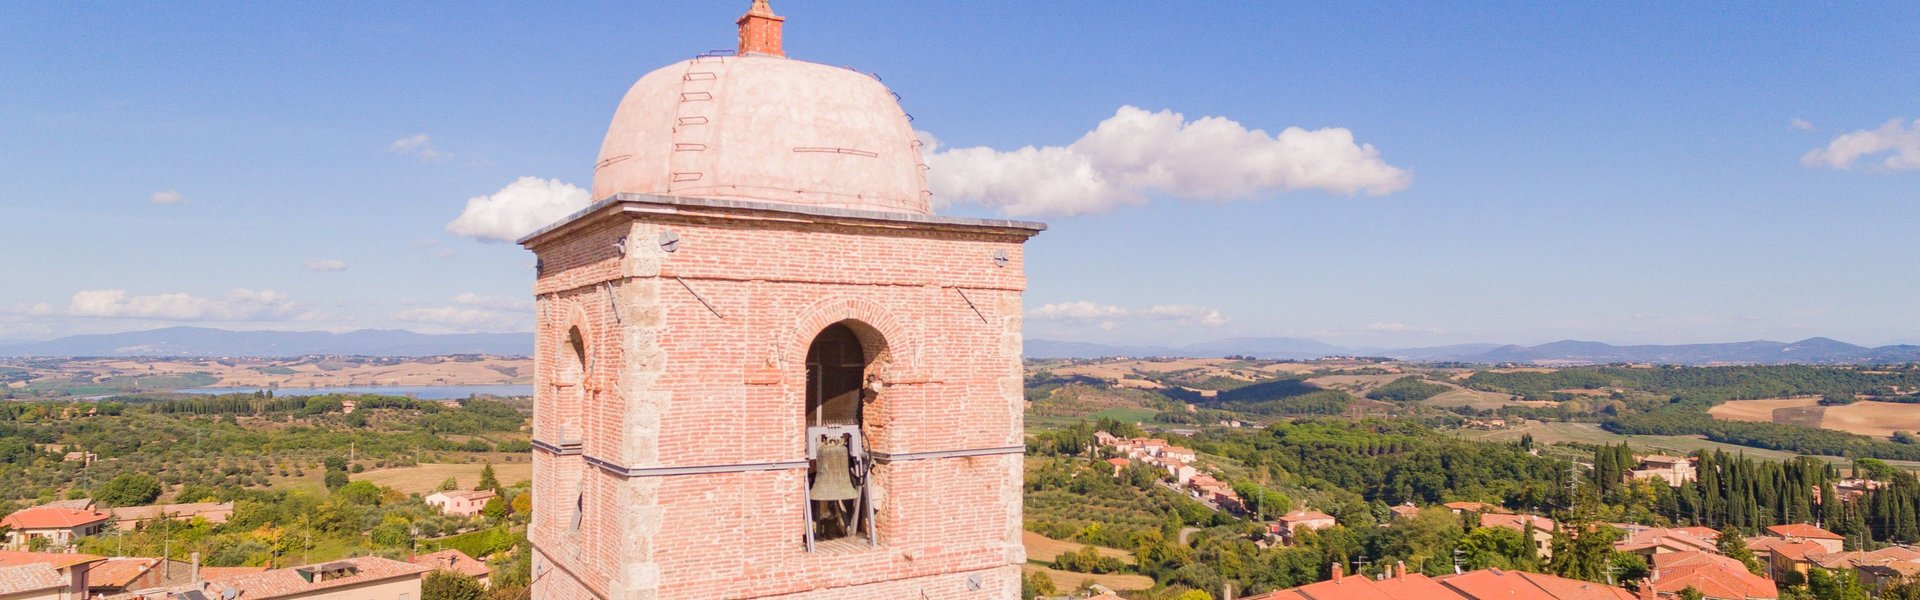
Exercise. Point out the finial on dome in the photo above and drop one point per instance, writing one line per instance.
(760, 30)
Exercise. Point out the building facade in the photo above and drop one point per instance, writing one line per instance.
(764, 368)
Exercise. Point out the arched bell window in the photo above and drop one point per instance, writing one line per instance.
(839, 502)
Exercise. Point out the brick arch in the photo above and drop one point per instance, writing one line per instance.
(894, 344)
(574, 316)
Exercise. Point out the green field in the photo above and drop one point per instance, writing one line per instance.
(1591, 433)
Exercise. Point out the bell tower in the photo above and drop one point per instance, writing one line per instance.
(764, 368)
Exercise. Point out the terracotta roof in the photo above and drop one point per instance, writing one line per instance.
(464, 494)
(1713, 575)
(1476, 507)
(1802, 530)
(1678, 540)
(1410, 587)
(1706, 533)
(225, 572)
(1662, 458)
(453, 560)
(1179, 450)
(1306, 515)
(9, 558)
(1897, 553)
(1495, 583)
(119, 572)
(42, 517)
(1562, 588)
(1517, 522)
(1798, 551)
(289, 581)
(1119, 462)
(29, 578)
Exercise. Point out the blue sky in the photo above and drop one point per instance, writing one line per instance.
(1625, 173)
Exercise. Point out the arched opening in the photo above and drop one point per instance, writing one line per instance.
(839, 502)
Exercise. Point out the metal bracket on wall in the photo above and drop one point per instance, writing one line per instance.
(976, 309)
(702, 299)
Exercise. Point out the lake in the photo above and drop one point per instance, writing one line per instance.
(423, 392)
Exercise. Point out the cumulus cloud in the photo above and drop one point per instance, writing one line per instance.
(1136, 152)
(474, 312)
(326, 266)
(1801, 124)
(1109, 315)
(1900, 142)
(238, 305)
(418, 145)
(168, 197)
(525, 205)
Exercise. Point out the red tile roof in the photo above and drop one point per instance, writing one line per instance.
(453, 560)
(287, 582)
(45, 517)
(225, 572)
(1802, 530)
(1562, 588)
(1713, 575)
(29, 578)
(1517, 522)
(11, 558)
(1797, 551)
(1488, 584)
(1305, 515)
(1495, 583)
(119, 572)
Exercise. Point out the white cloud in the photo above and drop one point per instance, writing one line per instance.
(1109, 315)
(1077, 311)
(238, 305)
(1900, 141)
(418, 145)
(494, 302)
(1137, 152)
(525, 205)
(168, 197)
(326, 266)
(472, 312)
(1187, 313)
(1801, 124)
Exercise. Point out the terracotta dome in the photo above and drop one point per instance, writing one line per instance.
(762, 127)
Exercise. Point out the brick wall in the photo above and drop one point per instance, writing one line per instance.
(696, 359)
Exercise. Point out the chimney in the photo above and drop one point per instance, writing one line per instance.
(1337, 571)
(1226, 590)
(1399, 568)
(760, 31)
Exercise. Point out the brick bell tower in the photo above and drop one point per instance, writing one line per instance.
(765, 368)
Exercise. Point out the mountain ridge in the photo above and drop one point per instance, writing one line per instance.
(1815, 350)
(204, 341)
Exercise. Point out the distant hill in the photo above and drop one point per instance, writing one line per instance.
(201, 341)
(1808, 351)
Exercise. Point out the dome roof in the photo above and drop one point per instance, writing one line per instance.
(765, 128)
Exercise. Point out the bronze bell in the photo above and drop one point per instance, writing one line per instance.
(833, 476)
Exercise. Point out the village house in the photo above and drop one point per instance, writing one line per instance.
(33, 582)
(359, 578)
(1179, 454)
(1795, 556)
(1477, 507)
(1485, 584)
(464, 503)
(1119, 465)
(1713, 575)
(126, 574)
(59, 526)
(1542, 527)
(73, 570)
(1288, 526)
(454, 560)
(1180, 472)
(1675, 470)
(1405, 511)
(1802, 532)
(1650, 541)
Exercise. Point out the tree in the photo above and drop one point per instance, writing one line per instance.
(128, 489)
(335, 479)
(1496, 548)
(1735, 547)
(1832, 585)
(450, 484)
(496, 509)
(442, 584)
(487, 481)
(1688, 593)
(522, 503)
(359, 492)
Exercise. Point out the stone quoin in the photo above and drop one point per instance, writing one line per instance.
(764, 368)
